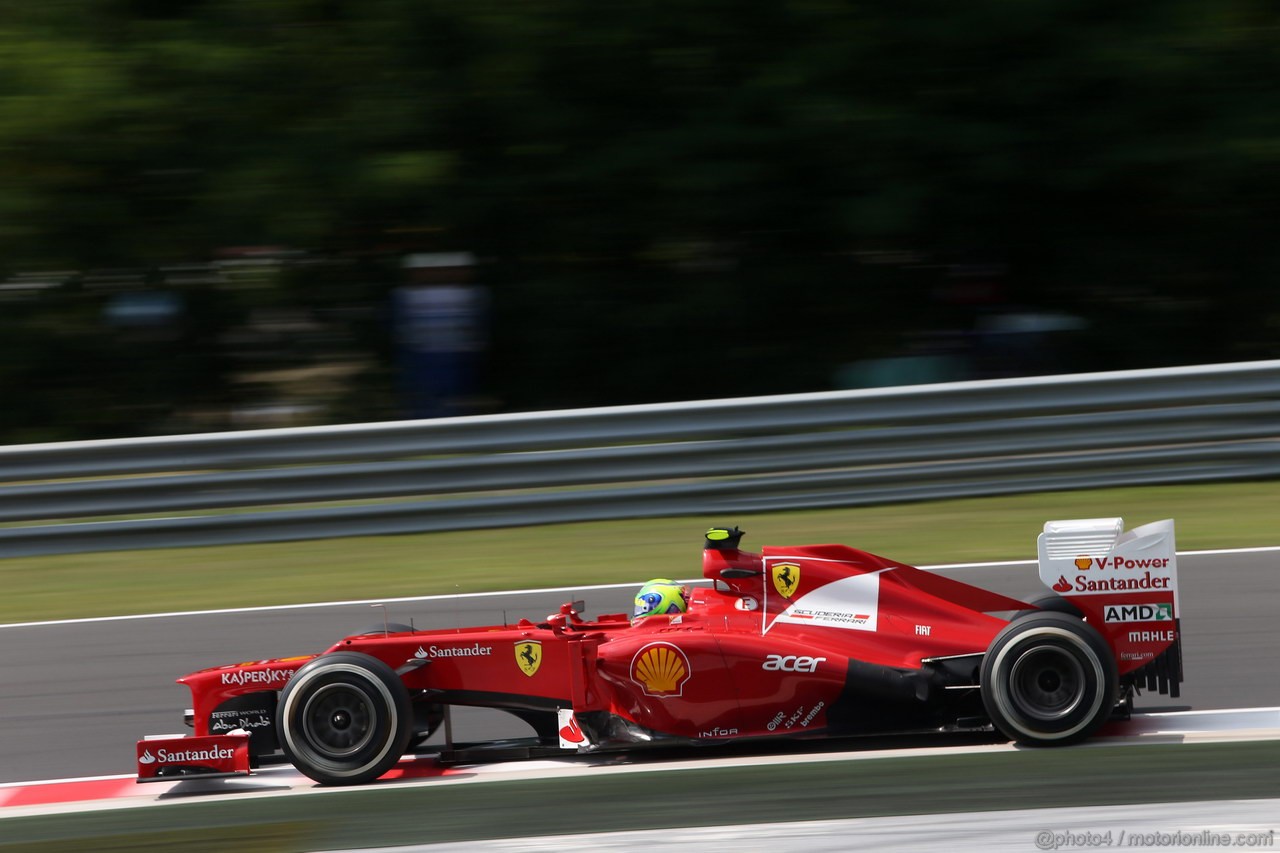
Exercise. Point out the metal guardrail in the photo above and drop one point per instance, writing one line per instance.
(715, 457)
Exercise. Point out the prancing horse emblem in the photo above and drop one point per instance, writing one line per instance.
(529, 656)
(786, 577)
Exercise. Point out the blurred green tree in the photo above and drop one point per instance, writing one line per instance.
(672, 200)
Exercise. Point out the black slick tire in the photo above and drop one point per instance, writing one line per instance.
(1048, 679)
(344, 719)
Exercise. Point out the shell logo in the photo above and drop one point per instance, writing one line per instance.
(1084, 563)
(660, 669)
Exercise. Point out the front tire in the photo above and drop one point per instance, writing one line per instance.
(344, 719)
(1048, 679)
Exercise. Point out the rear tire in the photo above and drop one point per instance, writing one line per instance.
(1048, 679)
(344, 719)
(1051, 602)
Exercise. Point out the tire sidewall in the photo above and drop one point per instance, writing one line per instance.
(387, 701)
(1063, 635)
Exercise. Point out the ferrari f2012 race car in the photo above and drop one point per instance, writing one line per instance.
(794, 642)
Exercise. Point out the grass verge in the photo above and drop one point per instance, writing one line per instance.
(1217, 515)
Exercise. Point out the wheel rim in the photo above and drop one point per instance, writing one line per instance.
(1047, 682)
(338, 720)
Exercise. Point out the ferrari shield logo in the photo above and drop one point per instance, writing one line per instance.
(529, 656)
(786, 577)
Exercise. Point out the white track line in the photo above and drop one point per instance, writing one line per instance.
(373, 602)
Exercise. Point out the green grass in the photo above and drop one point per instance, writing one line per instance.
(114, 583)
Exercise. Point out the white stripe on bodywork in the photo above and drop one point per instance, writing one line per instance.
(832, 605)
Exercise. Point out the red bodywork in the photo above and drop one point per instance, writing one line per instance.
(222, 755)
(799, 642)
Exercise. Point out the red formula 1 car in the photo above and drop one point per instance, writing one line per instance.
(802, 642)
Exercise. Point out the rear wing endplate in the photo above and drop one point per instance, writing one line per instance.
(1126, 585)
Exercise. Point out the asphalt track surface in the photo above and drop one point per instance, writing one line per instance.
(1203, 825)
(77, 696)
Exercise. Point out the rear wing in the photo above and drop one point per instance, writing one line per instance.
(1126, 585)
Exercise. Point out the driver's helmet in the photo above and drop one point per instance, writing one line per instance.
(661, 596)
